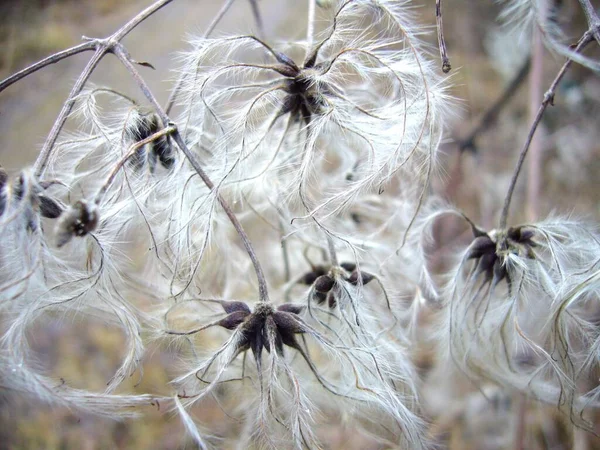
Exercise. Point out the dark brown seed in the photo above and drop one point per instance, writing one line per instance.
(233, 320)
(287, 323)
(320, 297)
(365, 278)
(324, 283)
(163, 149)
(331, 300)
(291, 308)
(310, 277)
(486, 265)
(499, 271)
(348, 266)
(49, 208)
(480, 246)
(232, 306)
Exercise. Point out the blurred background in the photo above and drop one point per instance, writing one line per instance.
(486, 57)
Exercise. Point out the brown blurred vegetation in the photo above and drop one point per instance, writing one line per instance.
(80, 353)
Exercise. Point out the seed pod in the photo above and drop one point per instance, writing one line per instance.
(320, 297)
(49, 208)
(234, 319)
(291, 308)
(324, 284)
(77, 220)
(310, 277)
(522, 236)
(480, 246)
(163, 149)
(365, 278)
(348, 266)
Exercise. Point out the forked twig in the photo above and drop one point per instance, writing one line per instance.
(102, 47)
(587, 37)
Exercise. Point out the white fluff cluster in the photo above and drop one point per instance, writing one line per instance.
(514, 308)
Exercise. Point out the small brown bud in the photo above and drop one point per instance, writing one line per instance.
(348, 266)
(49, 208)
(310, 277)
(324, 283)
(365, 278)
(480, 246)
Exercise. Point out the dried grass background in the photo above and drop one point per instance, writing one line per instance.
(460, 416)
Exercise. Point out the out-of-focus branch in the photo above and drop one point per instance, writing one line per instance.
(491, 114)
(535, 98)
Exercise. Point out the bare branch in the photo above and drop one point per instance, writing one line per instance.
(52, 59)
(548, 100)
(102, 46)
(490, 116)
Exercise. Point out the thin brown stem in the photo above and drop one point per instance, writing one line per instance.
(548, 100)
(42, 160)
(592, 18)
(131, 151)
(123, 56)
(446, 67)
(52, 59)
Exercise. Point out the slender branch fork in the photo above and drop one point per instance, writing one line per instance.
(102, 47)
(587, 37)
(113, 45)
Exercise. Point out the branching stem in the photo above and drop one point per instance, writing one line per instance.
(102, 46)
(548, 100)
(52, 59)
